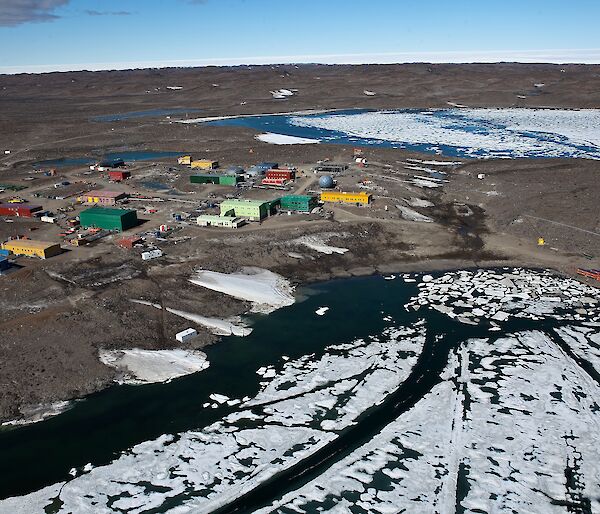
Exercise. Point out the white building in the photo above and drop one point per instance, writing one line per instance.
(186, 335)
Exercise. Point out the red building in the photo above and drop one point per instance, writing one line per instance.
(281, 174)
(273, 181)
(19, 209)
(118, 175)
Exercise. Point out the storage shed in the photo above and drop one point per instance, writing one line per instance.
(186, 335)
(19, 209)
(254, 210)
(31, 248)
(298, 203)
(109, 219)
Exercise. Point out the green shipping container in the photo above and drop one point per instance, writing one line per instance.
(299, 203)
(109, 219)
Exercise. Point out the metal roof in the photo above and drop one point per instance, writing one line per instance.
(104, 194)
(105, 211)
(29, 243)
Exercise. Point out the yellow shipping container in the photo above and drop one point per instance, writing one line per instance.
(205, 164)
(31, 248)
(346, 197)
(184, 159)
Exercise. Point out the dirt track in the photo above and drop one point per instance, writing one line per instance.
(56, 314)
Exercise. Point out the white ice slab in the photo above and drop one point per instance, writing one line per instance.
(149, 366)
(282, 139)
(266, 290)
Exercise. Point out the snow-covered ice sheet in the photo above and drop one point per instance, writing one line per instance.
(267, 291)
(39, 413)
(476, 132)
(411, 215)
(282, 139)
(150, 366)
(218, 326)
(319, 243)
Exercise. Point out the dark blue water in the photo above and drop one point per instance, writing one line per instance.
(454, 119)
(98, 428)
(150, 113)
(127, 156)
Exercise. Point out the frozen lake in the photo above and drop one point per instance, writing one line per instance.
(464, 132)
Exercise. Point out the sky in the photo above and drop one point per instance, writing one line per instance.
(62, 35)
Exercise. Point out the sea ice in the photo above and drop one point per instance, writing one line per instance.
(504, 132)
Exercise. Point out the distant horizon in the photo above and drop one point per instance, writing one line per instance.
(43, 36)
(550, 56)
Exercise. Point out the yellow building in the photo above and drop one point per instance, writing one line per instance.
(30, 248)
(345, 197)
(205, 164)
(184, 159)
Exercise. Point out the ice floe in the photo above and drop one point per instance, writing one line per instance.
(512, 426)
(475, 132)
(266, 290)
(502, 294)
(321, 311)
(150, 366)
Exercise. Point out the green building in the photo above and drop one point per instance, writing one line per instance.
(254, 210)
(109, 219)
(298, 203)
(222, 180)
